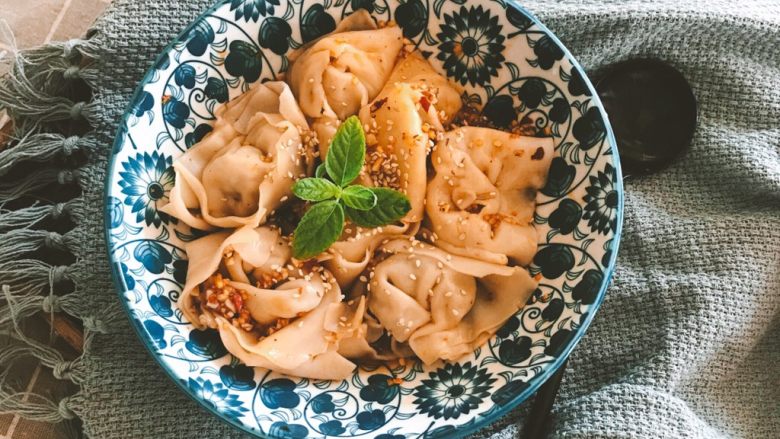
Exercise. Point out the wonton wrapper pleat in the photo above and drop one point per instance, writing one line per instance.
(303, 348)
(287, 350)
(481, 201)
(286, 300)
(205, 255)
(258, 251)
(308, 346)
(498, 298)
(241, 170)
(447, 306)
(411, 99)
(415, 70)
(345, 322)
(342, 71)
(349, 256)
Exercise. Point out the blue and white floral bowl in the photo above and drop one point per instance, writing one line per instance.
(508, 62)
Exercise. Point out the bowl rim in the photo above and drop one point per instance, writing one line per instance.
(460, 432)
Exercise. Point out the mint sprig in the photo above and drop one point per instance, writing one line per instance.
(359, 197)
(325, 219)
(390, 206)
(315, 189)
(347, 152)
(335, 198)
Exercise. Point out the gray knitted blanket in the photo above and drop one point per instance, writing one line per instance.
(686, 344)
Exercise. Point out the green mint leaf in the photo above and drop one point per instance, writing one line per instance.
(390, 207)
(347, 152)
(359, 197)
(320, 171)
(320, 227)
(315, 189)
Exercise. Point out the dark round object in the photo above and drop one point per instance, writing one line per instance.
(652, 110)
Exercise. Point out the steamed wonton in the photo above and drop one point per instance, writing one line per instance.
(244, 168)
(269, 312)
(343, 71)
(403, 123)
(443, 306)
(481, 201)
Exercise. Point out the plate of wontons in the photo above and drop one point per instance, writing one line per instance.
(389, 219)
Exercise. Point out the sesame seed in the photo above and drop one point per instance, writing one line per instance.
(417, 263)
(455, 312)
(284, 198)
(363, 279)
(412, 276)
(448, 294)
(462, 236)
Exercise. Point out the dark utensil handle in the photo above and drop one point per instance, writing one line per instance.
(536, 424)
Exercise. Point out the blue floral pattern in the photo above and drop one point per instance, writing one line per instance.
(453, 390)
(218, 396)
(602, 198)
(252, 9)
(508, 65)
(471, 45)
(146, 181)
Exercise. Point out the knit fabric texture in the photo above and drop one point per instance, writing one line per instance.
(687, 341)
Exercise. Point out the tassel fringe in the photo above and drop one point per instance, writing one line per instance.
(38, 94)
